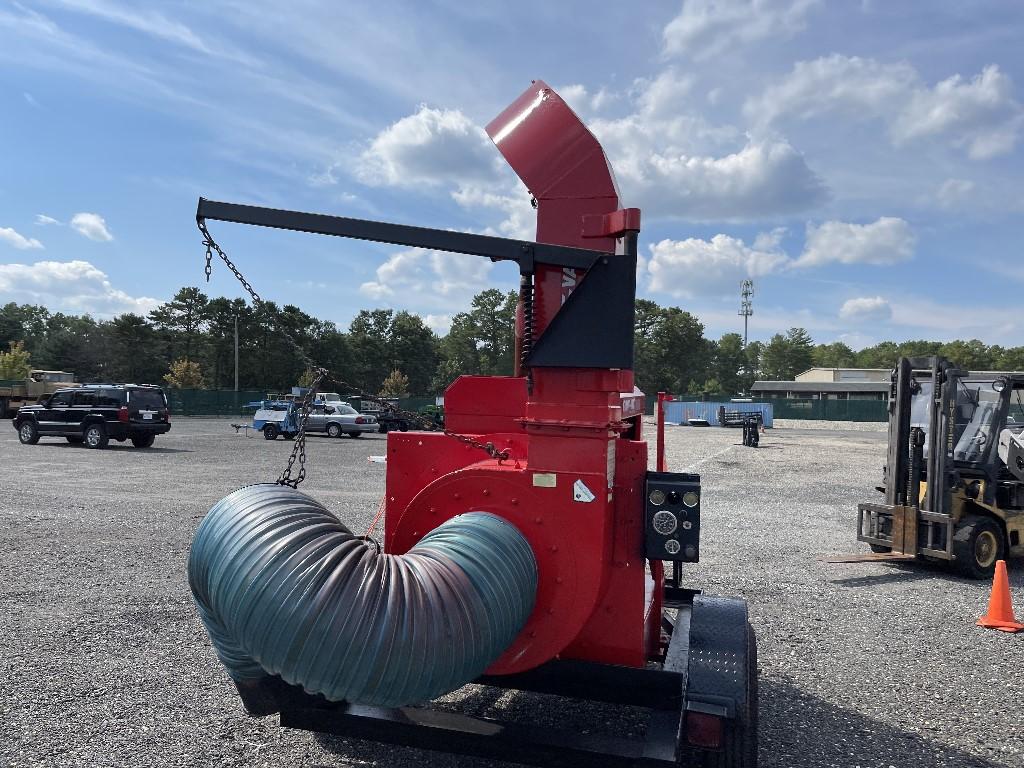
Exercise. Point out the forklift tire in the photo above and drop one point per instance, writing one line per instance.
(977, 544)
(270, 432)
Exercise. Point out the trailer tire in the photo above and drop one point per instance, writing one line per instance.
(977, 544)
(143, 441)
(739, 747)
(880, 548)
(28, 432)
(270, 432)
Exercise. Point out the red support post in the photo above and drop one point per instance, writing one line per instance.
(660, 463)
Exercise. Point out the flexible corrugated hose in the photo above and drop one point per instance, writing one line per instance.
(285, 589)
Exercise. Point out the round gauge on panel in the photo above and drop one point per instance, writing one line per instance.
(657, 497)
(690, 498)
(672, 547)
(664, 522)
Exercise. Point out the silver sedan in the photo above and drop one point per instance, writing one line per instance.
(339, 419)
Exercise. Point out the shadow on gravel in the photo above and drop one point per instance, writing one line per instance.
(896, 577)
(920, 570)
(539, 710)
(112, 447)
(802, 731)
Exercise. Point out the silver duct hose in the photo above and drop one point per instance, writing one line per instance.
(285, 589)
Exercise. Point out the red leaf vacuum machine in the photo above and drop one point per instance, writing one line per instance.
(549, 563)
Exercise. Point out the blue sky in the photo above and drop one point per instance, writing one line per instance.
(861, 162)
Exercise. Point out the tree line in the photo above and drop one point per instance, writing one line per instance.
(189, 341)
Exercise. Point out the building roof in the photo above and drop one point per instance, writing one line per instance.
(820, 386)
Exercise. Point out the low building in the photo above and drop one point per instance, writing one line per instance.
(845, 374)
(828, 384)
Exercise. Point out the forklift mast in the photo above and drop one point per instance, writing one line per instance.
(932, 443)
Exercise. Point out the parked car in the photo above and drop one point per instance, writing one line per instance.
(339, 419)
(93, 414)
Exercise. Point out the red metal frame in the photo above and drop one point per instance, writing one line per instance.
(573, 482)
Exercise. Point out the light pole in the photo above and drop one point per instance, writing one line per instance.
(746, 305)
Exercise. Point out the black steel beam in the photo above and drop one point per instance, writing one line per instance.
(525, 252)
(609, 683)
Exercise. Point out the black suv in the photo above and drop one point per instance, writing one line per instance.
(95, 413)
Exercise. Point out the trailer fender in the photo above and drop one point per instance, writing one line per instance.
(717, 670)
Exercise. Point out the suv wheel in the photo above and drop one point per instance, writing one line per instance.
(143, 441)
(95, 436)
(28, 432)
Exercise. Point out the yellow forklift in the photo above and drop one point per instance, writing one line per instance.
(954, 474)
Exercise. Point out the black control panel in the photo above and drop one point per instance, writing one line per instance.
(672, 516)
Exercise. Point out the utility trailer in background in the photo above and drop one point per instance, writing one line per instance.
(15, 393)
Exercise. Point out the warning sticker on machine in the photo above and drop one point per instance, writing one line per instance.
(580, 492)
(545, 480)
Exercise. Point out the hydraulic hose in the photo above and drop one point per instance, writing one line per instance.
(285, 589)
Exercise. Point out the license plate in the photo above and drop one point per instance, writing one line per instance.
(147, 416)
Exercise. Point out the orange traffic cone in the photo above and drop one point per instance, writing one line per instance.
(1000, 609)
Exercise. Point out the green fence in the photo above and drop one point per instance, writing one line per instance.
(211, 402)
(803, 408)
(830, 410)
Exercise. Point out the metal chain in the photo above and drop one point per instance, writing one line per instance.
(299, 449)
(320, 376)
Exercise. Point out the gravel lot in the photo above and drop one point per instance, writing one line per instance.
(104, 663)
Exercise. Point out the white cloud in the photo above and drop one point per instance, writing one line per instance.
(952, 192)
(885, 241)
(439, 324)
(705, 28)
(12, 237)
(520, 218)
(583, 102)
(764, 178)
(672, 163)
(31, 100)
(68, 286)
(42, 219)
(429, 278)
(431, 146)
(694, 267)
(866, 309)
(91, 225)
(981, 114)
